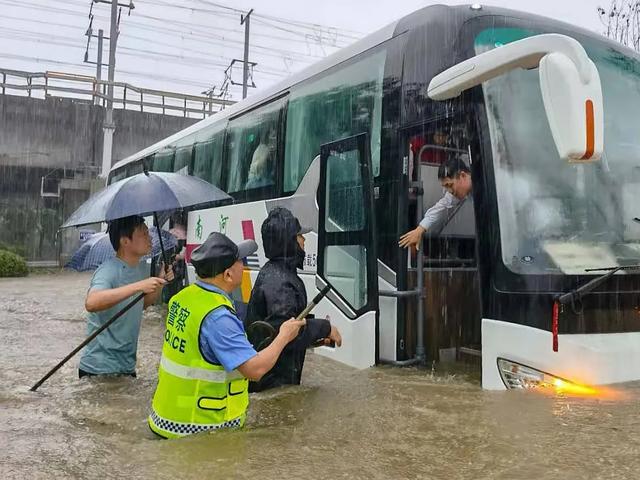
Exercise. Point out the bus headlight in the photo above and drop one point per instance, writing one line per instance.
(516, 375)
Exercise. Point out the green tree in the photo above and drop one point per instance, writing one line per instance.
(12, 265)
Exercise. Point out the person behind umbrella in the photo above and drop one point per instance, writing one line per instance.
(206, 357)
(279, 293)
(113, 285)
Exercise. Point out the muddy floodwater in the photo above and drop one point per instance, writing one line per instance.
(379, 423)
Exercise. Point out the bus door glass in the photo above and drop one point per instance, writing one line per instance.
(347, 259)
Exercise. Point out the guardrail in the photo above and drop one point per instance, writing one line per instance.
(125, 95)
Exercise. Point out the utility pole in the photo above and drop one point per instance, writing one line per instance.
(108, 127)
(245, 19)
(99, 62)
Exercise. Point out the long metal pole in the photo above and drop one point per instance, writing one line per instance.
(420, 320)
(109, 127)
(87, 340)
(246, 19)
(99, 64)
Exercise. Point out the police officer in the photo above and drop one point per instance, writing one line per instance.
(206, 358)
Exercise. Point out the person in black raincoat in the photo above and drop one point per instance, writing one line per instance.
(279, 294)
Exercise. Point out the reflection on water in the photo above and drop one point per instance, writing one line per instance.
(380, 423)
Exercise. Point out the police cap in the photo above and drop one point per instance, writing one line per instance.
(218, 252)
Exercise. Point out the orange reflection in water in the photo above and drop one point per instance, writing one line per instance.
(569, 389)
(562, 386)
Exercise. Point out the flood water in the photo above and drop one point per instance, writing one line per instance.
(379, 423)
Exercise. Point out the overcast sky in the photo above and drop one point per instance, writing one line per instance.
(185, 45)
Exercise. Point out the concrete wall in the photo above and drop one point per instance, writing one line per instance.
(61, 132)
(59, 139)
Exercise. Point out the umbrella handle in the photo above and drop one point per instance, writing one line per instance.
(313, 302)
(164, 255)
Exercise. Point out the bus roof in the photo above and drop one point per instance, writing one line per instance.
(336, 58)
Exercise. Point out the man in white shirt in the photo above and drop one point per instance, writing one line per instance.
(455, 178)
(261, 168)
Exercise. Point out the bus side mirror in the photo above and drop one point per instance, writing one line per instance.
(569, 82)
(574, 108)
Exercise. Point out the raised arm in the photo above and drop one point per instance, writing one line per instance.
(102, 299)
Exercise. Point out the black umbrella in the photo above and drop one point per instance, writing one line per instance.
(147, 194)
(144, 194)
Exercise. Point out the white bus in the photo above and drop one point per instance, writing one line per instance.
(527, 102)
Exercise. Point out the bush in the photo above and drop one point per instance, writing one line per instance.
(19, 250)
(12, 265)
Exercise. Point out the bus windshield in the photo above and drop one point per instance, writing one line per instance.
(556, 217)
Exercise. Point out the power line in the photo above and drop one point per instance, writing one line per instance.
(195, 28)
(191, 9)
(188, 60)
(308, 25)
(268, 70)
(133, 73)
(41, 22)
(191, 32)
(211, 35)
(194, 33)
(194, 62)
(23, 4)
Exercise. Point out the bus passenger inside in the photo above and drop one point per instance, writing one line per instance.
(455, 177)
(434, 154)
(261, 170)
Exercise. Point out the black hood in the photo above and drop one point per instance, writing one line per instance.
(279, 238)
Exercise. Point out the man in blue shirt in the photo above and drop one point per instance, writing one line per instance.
(113, 285)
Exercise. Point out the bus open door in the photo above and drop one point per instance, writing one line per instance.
(347, 259)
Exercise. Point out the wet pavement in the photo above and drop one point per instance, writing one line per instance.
(379, 423)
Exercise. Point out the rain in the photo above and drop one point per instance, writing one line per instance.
(476, 280)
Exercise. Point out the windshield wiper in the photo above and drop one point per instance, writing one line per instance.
(575, 296)
(577, 293)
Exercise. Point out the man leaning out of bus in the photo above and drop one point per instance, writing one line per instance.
(206, 357)
(455, 178)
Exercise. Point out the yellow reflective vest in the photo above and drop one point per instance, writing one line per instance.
(194, 395)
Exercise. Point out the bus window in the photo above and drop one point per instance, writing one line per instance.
(207, 160)
(134, 168)
(253, 150)
(344, 103)
(163, 161)
(182, 162)
(117, 175)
